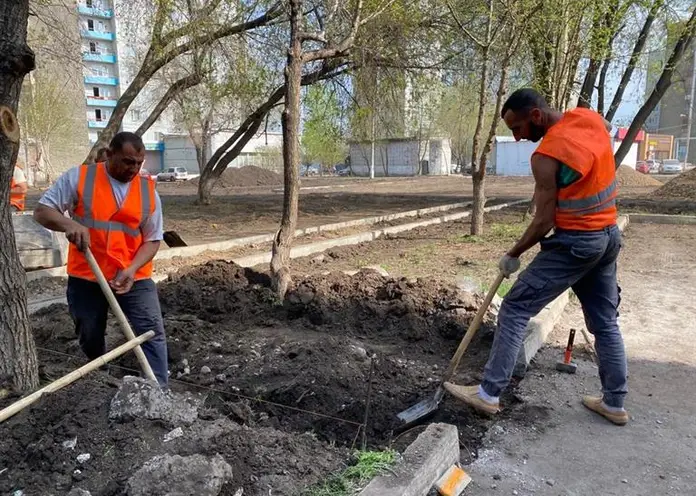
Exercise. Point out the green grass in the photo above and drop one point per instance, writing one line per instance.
(506, 232)
(351, 480)
(504, 288)
(465, 238)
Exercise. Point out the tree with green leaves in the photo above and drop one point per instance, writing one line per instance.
(323, 138)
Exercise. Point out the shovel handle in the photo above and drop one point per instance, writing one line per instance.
(120, 316)
(473, 328)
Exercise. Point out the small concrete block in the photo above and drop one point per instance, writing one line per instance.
(453, 482)
(433, 452)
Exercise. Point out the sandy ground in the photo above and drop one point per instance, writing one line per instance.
(574, 452)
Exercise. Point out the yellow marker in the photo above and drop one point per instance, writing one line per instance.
(453, 482)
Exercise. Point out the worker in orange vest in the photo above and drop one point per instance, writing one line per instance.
(18, 189)
(575, 194)
(118, 215)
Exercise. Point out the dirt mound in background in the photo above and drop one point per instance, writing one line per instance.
(681, 187)
(246, 177)
(629, 177)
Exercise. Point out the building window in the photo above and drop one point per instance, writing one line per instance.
(92, 47)
(88, 3)
(101, 27)
(95, 91)
(98, 115)
(135, 115)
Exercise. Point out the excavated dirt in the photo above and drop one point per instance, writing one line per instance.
(682, 187)
(280, 370)
(246, 177)
(629, 177)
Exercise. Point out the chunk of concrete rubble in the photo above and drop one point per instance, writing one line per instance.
(76, 491)
(143, 399)
(375, 268)
(205, 432)
(83, 458)
(174, 475)
(172, 435)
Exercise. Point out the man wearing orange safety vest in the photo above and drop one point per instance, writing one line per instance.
(18, 189)
(118, 215)
(575, 194)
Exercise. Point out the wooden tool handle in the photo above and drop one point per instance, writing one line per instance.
(20, 405)
(120, 316)
(473, 328)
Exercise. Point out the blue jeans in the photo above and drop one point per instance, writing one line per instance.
(581, 260)
(89, 308)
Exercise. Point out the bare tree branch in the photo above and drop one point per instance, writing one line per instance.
(174, 90)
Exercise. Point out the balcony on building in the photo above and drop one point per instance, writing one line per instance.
(92, 124)
(95, 11)
(105, 80)
(97, 35)
(95, 101)
(109, 58)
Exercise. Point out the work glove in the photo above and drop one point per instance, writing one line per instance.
(509, 265)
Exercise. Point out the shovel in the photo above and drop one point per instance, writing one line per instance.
(120, 316)
(427, 407)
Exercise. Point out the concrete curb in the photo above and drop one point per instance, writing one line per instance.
(190, 251)
(663, 219)
(303, 250)
(433, 452)
(541, 326)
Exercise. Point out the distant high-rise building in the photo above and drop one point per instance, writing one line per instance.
(104, 44)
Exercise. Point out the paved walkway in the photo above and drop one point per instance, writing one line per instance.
(552, 446)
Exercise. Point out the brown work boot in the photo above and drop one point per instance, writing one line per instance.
(596, 404)
(470, 396)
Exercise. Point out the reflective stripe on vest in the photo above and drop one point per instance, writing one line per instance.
(87, 220)
(590, 204)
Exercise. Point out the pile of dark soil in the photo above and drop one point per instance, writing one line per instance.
(629, 177)
(682, 187)
(38, 463)
(312, 350)
(278, 369)
(246, 177)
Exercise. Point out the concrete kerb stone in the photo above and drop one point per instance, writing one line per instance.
(663, 219)
(189, 251)
(320, 246)
(541, 326)
(423, 463)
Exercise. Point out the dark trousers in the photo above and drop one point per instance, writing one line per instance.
(585, 262)
(89, 308)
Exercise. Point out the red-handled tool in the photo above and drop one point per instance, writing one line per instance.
(567, 365)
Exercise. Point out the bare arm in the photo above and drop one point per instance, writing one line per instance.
(545, 196)
(54, 220)
(145, 253)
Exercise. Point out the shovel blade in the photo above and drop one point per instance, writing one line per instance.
(418, 411)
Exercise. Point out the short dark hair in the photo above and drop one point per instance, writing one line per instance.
(123, 138)
(524, 99)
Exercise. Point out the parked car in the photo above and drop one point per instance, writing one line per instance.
(654, 166)
(173, 174)
(341, 170)
(643, 167)
(671, 166)
(310, 170)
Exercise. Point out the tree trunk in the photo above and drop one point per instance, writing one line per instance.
(174, 90)
(477, 179)
(601, 84)
(18, 362)
(280, 261)
(661, 87)
(588, 84)
(635, 57)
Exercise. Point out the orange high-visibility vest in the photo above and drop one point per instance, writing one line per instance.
(16, 199)
(115, 234)
(580, 141)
